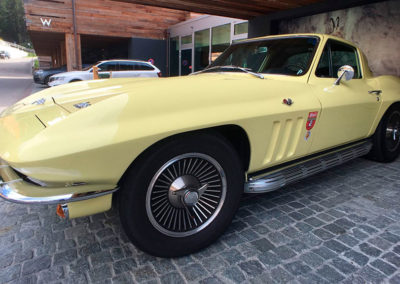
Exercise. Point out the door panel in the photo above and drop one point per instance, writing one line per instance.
(348, 110)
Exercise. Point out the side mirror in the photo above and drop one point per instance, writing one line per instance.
(346, 72)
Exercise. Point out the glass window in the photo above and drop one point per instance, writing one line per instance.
(186, 39)
(343, 54)
(201, 49)
(141, 66)
(221, 38)
(336, 55)
(109, 66)
(174, 56)
(242, 28)
(285, 56)
(125, 66)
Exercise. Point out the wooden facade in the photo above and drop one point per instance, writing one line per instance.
(53, 33)
(242, 9)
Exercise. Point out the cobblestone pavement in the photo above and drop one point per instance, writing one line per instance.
(340, 226)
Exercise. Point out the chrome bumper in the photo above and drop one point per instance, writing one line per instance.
(15, 189)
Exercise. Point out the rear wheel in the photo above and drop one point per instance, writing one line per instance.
(181, 195)
(386, 140)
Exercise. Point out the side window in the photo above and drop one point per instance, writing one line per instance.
(139, 66)
(336, 55)
(343, 54)
(109, 66)
(125, 66)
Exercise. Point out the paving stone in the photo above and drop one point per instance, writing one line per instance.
(280, 275)
(348, 240)
(381, 222)
(144, 273)
(269, 259)
(312, 279)
(100, 274)
(312, 259)
(380, 243)
(357, 257)
(324, 252)
(124, 265)
(343, 266)
(334, 229)
(336, 246)
(37, 264)
(98, 259)
(369, 250)
(251, 268)
(234, 274)
(392, 258)
(263, 245)
(390, 237)
(297, 267)
(193, 272)
(172, 278)
(10, 273)
(330, 274)
(53, 274)
(384, 267)
(315, 222)
(371, 275)
(65, 257)
(284, 252)
(213, 264)
(323, 234)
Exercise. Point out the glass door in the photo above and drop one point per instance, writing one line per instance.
(186, 62)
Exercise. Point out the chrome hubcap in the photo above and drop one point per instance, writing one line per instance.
(393, 132)
(186, 194)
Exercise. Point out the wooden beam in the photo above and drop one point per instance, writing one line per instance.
(73, 63)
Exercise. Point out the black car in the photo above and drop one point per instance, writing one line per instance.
(42, 76)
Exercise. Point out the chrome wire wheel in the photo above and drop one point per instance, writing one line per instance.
(392, 140)
(186, 194)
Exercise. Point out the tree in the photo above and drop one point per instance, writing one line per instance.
(12, 22)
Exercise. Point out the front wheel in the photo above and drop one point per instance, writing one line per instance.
(386, 141)
(182, 195)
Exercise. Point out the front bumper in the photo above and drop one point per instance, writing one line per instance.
(15, 189)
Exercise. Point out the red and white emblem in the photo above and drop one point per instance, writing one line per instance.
(312, 118)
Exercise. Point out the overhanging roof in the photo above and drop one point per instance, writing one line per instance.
(244, 9)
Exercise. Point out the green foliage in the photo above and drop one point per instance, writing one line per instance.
(36, 64)
(12, 22)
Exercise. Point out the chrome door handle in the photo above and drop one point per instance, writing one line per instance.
(375, 92)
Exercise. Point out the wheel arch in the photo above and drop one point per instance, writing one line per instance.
(235, 134)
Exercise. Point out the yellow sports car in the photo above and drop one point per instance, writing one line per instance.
(178, 153)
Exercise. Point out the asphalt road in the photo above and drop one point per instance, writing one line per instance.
(16, 80)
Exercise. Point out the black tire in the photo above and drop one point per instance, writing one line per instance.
(138, 185)
(386, 140)
(75, 80)
(46, 80)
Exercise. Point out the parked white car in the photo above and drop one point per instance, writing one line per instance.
(107, 69)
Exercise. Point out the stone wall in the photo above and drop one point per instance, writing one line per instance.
(374, 28)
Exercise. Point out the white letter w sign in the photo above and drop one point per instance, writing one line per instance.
(46, 22)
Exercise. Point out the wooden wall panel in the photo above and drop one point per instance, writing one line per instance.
(102, 17)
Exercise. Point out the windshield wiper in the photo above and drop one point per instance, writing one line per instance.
(232, 67)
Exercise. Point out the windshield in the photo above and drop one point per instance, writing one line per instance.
(284, 56)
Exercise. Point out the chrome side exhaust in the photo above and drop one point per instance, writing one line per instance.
(276, 179)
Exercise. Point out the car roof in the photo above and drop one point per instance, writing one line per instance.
(319, 35)
(126, 60)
